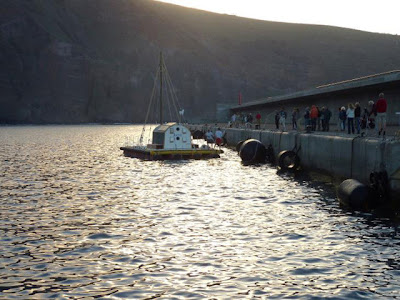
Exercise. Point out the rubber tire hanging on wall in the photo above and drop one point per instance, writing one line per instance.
(353, 194)
(288, 160)
(252, 151)
(239, 145)
(270, 156)
(379, 183)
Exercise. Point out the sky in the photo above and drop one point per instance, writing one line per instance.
(382, 16)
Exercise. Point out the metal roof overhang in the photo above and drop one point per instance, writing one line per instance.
(367, 81)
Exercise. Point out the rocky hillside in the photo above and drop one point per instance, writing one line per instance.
(69, 61)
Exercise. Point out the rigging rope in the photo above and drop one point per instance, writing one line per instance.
(174, 97)
(171, 99)
(149, 107)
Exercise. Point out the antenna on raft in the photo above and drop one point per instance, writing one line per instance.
(161, 86)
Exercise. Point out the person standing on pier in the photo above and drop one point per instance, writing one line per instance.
(209, 137)
(339, 121)
(342, 117)
(249, 120)
(322, 117)
(277, 119)
(258, 120)
(319, 119)
(233, 120)
(313, 117)
(218, 137)
(282, 119)
(381, 107)
(325, 118)
(350, 118)
(307, 118)
(328, 118)
(295, 116)
(357, 116)
(371, 110)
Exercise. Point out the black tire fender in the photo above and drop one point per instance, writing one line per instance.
(239, 145)
(288, 160)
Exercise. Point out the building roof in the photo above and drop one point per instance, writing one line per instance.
(365, 81)
(164, 127)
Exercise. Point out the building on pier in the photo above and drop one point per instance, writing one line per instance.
(333, 96)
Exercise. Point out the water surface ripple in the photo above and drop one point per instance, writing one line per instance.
(79, 220)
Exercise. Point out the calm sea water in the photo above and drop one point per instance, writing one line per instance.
(79, 220)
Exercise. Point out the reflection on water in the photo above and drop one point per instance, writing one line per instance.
(79, 220)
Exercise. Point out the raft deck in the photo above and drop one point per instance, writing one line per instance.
(168, 154)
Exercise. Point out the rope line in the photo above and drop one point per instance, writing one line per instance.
(150, 104)
(171, 99)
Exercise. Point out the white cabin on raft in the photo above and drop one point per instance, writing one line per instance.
(171, 136)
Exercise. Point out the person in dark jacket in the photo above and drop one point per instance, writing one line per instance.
(357, 116)
(326, 115)
(295, 116)
(319, 120)
(342, 117)
(249, 120)
(307, 121)
(277, 116)
(371, 111)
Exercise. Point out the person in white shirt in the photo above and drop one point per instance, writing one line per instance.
(282, 119)
(350, 118)
(218, 137)
(233, 120)
(209, 137)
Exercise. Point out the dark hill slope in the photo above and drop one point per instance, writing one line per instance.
(94, 60)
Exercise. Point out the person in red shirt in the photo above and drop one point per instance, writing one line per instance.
(381, 107)
(313, 117)
(258, 119)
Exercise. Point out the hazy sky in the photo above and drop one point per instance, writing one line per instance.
(370, 15)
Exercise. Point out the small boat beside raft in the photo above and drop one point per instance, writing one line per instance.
(170, 141)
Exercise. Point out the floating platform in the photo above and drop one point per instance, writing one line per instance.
(145, 153)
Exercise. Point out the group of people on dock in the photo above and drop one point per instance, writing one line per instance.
(214, 139)
(373, 116)
(318, 119)
(245, 119)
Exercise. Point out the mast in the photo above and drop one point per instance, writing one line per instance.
(161, 87)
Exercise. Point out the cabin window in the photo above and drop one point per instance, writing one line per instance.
(171, 130)
(184, 139)
(171, 139)
(183, 130)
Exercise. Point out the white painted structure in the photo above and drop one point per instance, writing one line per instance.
(172, 136)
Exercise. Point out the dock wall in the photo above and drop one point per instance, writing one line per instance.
(342, 156)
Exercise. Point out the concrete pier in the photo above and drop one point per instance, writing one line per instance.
(342, 156)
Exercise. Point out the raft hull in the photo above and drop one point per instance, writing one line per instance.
(160, 154)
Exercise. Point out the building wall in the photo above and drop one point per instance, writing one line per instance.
(333, 101)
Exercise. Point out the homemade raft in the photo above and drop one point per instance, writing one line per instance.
(170, 141)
